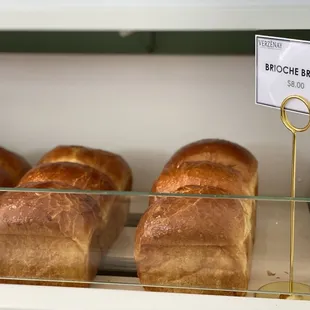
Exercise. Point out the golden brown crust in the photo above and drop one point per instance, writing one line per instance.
(113, 165)
(194, 242)
(14, 165)
(193, 221)
(201, 173)
(84, 177)
(110, 164)
(49, 214)
(49, 235)
(219, 151)
(76, 175)
(191, 242)
(231, 156)
(80, 176)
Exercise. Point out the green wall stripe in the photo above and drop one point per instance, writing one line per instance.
(170, 43)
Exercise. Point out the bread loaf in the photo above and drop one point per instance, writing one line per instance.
(193, 244)
(49, 236)
(55, 237)
(12, 168)
(109, 164)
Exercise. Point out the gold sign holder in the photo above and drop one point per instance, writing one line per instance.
(292, 287)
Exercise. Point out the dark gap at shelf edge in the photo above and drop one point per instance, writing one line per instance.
(157, 43)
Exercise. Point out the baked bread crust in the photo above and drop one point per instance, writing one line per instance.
(49, 236)
(57, 238)
(192, 244)
(85, 178)
(219, 151)
(112, 165)
(201, 173)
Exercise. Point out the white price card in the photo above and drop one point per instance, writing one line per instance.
(282, 69)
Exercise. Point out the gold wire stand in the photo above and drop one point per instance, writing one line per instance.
(289, 289)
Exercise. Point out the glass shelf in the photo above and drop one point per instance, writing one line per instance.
(44, 224)
(135, 194)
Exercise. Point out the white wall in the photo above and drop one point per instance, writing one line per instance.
(144, 107)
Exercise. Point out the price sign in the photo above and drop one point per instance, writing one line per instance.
(282, 69)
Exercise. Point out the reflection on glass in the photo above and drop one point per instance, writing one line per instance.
(56, 237)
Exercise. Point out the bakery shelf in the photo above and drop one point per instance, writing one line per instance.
(94, 299)
(270, 261)
(153, 15)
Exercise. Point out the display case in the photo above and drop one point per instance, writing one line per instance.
(61, 83)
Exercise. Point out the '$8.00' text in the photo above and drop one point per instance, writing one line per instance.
(294, 84)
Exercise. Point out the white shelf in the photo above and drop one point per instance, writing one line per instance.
(154, 15)
(15, 297)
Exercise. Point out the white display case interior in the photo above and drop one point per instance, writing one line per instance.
(144, 107)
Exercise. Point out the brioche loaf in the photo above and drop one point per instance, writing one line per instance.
(194, 244)
(61, 237)
(12, 168)
(109, 164)
(49, 236)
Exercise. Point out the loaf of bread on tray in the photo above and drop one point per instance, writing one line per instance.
(12, 168)
(63, 236)
(192, 244)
